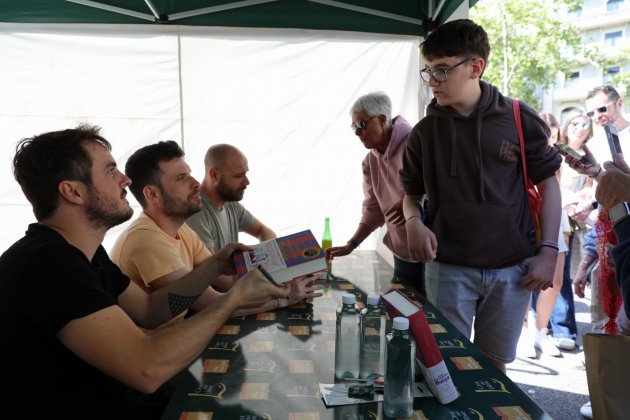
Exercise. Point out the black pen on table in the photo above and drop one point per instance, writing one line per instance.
(267, 275)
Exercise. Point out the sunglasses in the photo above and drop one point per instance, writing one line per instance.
(584, 126)
(600, 110)
(361, 124)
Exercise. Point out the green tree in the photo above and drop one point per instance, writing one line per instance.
(529, 44)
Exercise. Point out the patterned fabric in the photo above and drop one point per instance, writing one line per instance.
(611, 294)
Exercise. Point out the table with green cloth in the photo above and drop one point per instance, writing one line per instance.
(269, 365)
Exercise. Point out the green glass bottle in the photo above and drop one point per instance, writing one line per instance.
(327, 237)
(327, 243)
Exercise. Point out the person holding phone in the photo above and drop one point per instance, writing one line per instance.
(605, 106)
(576, 187)
(577, 202)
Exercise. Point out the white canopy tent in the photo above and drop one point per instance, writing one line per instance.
(281, 95)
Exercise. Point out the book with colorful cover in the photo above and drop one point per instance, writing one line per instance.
(428, 353)
(288, 257)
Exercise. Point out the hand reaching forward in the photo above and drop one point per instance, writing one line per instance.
(301, 289)
(591, 170)
(338, 251)
(254, 290)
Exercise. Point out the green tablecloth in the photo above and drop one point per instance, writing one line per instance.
(268, 366)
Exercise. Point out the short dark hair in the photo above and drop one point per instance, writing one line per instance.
(608, 90)
(461, 37)
(43, 161)
(143, 166)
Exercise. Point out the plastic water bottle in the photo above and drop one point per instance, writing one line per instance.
(399, 372)
(348, 339)
(372, 338)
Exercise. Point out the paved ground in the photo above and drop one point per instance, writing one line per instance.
(557, 384)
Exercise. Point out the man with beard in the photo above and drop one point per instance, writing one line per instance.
(158, 248)
(223, 186)
(69, 317)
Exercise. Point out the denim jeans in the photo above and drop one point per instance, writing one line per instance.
(494, 298)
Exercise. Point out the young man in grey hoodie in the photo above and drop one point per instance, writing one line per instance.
(478, 238)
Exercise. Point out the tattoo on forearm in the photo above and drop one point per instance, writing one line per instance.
(178, 303)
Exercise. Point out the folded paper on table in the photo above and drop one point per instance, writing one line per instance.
(337, 394)
(288, 257)
(428, 353)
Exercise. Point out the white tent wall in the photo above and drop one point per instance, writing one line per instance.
(281, 96)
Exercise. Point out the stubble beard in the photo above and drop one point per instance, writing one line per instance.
(177, 209)
(105, 213)
(227, 194)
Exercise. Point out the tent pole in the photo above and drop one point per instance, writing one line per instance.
(181, 90)
(214, 9)
(439, 7)
(153, 9)
(114, 9)
(369, 11)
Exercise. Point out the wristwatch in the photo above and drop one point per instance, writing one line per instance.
(619, 212)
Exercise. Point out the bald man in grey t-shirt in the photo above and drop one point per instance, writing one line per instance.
(223, 186)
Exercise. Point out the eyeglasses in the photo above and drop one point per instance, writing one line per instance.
(439, 76)
(600, 110)
(584, 126)
(361, 124)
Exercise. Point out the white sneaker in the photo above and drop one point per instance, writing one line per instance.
(525, 345)
(565, 343)
(546, 345)
(586, 410)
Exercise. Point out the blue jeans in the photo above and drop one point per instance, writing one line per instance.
(494, 298)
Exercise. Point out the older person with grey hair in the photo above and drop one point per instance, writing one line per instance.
(385, 138)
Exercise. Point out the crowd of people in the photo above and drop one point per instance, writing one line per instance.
(450, 191)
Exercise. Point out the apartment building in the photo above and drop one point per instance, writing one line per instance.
(605, 24)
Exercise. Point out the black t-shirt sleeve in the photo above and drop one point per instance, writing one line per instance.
(63, 285)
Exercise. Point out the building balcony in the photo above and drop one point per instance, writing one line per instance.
(594, 18)
(577, 91)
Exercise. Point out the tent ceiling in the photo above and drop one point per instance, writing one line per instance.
(403, 17)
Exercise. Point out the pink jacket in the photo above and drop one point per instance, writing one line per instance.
(382, 188)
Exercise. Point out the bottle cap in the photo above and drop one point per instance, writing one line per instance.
(401, 323)
(348, 299)
(373, 300)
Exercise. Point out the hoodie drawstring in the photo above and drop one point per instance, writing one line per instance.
(453, 134)
(482, 189)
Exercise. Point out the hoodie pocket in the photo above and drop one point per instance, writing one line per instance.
(479, 235)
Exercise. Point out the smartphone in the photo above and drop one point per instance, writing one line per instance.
(565, 150)
(613, 140)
